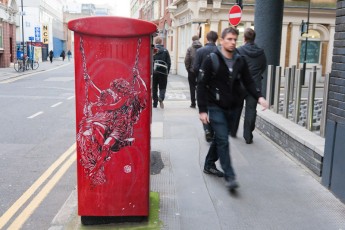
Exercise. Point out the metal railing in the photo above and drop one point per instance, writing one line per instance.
(291, 105)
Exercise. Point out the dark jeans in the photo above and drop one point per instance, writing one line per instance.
(192, 86)
(220, 147)
(159, 81)
(249, 117)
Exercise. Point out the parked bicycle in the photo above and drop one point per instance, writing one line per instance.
(29, 63)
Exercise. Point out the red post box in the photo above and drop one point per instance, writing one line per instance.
(113, 113)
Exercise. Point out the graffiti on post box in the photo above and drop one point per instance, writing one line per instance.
(107, 123)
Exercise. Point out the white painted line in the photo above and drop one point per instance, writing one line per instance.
(57, 104)
(35, 115)
(236, 15)
(71, 97)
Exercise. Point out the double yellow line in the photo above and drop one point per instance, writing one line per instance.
(31, 207)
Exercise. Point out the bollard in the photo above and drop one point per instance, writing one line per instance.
(277, 89)
(298, 95)
(311, 97)
(324, 107)
(270, 73)
(292, 82)
(287, 92)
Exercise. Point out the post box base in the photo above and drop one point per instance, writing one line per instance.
(95, 220)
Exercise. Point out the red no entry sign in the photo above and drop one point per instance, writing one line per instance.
(235, 14)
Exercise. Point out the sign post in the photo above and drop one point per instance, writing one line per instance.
(235, 15)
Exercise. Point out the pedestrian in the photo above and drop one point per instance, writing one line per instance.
(199, 58)
(217, 94)
(256, 60)
(63, 55)
(69, 54)
(51, 55)
(189, 61)
(161, 69)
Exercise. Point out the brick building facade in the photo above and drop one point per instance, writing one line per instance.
(8, 10)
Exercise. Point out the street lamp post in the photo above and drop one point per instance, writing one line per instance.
(306, 46)
(22, 13)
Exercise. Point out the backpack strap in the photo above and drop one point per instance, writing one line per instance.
(215, 63)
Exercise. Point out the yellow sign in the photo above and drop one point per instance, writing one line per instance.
(45, 37)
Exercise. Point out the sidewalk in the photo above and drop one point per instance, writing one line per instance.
(10, 73)
(275, 191)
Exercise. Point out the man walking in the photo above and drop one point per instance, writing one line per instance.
(256, 60)
(161, 70)
(199, 58)
(217, 95)
(188, 61)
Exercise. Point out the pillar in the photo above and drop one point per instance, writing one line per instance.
(268, 20)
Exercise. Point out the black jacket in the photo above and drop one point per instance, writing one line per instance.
(163, 55)
(201, 55)
(256, 60)
(222, 88)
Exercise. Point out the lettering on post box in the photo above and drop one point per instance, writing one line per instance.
(109, 114)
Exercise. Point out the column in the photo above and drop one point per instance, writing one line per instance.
(330, 48)
(283, 44)
(268, 26)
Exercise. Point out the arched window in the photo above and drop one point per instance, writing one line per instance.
(312, 54)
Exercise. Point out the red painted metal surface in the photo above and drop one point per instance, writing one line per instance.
(112, 82)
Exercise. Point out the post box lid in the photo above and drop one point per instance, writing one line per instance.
(111, 26)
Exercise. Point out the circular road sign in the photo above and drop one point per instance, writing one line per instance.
(235, 14)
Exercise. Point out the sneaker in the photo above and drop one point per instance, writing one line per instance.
(213, 171)
(232, 184)
(161, 104)
(208, 136)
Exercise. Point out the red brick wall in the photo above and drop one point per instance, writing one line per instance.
(9, 31)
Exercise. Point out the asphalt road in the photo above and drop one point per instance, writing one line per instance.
(37, 165)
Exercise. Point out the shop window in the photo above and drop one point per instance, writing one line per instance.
(313, 52)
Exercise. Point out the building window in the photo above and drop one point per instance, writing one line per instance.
(313, 52)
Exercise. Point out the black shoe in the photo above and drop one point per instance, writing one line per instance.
(154, 105)
(193, 106)
(232, 184)
(249, 141)
(232, 134)
(208, 136)
(213, 171)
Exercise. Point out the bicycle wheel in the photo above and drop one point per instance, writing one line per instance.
(35, 65)
(27, 64)
(17, 66)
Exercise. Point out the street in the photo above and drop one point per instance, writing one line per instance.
(37, 149)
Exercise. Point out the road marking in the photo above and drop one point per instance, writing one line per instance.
(35, 115)
(71, 97)
(28, 193)
(57, 104)
(37, 200)
(15, 78)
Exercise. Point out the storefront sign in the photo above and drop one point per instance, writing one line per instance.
(45, 34)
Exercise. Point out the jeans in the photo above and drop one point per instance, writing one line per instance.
(192, 86)
(249, 117)
(220, 147)
(159, 81)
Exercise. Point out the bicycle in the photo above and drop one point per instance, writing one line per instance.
(18, 65)
(31, 64)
